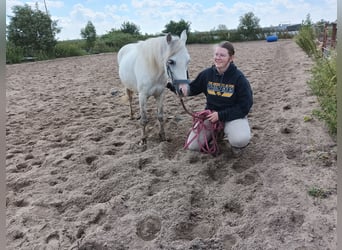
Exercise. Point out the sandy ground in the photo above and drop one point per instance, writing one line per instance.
(77, 178)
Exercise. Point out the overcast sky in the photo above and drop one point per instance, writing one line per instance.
(151, 16)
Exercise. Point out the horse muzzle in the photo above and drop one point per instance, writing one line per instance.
(174, 85)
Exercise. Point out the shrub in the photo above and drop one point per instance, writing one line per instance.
(67, 49)
(116, 39)
(323, 80)
(323, 84)
(306, 38)
(13, 54)
(101, 47)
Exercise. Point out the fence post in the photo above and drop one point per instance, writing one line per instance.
(333, 35)
(325, 37)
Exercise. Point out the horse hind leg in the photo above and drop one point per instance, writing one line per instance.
(130, 100)
(160, 116)
(143, 139)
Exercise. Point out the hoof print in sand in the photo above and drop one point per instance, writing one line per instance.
(216, 173)
(149, 227)
(286, 130)
(248, 179)
(184, 230)
(242, 165)
(53, 240)
(90, 159)
(229, 241)
(232, 207)
(16, 235)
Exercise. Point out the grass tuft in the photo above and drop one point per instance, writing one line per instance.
(317, 192)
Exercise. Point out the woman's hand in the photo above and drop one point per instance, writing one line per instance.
(213, 117)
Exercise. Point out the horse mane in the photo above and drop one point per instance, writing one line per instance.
(156, 51)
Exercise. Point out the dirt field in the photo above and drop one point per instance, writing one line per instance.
(77, 178)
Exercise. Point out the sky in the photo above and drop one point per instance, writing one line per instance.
(151, 16)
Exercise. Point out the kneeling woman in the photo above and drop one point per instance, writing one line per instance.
(229, 99)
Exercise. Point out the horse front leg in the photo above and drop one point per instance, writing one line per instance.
(143, 117)
(160, 116)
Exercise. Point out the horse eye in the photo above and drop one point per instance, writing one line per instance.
(171, 62)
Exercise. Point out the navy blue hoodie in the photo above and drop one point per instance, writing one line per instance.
(229, 94)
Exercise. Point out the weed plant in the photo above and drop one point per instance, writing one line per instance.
(323, 80)
(306, 40)
(323, 84)
(317, 192)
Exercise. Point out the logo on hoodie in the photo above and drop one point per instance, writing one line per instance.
(220, 89)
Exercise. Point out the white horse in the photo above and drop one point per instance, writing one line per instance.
(145, 67)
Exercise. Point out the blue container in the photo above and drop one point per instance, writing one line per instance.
(272, 38)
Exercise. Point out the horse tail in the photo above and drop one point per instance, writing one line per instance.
(127, 98)
(120, 55)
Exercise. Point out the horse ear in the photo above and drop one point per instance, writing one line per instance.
(168, 38)
(183, 36)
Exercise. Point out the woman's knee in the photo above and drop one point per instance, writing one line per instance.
(240, 141)
(238, 133)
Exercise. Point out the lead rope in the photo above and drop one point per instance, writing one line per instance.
(198, 127)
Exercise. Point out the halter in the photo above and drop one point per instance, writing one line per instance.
(175, 82)
(173, 85)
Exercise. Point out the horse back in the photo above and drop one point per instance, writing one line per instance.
(138, 66)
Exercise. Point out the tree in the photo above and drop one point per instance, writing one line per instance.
(32, 30)
(249, 27)
(130, 28)
(89, 33)
(176, 28)
(222, 27)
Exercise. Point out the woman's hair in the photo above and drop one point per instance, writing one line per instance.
(228, 46)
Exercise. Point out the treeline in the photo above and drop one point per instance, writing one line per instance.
(31, 36)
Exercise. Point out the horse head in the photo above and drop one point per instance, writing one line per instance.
(177, 60)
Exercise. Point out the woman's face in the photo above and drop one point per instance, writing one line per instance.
(221, 59)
